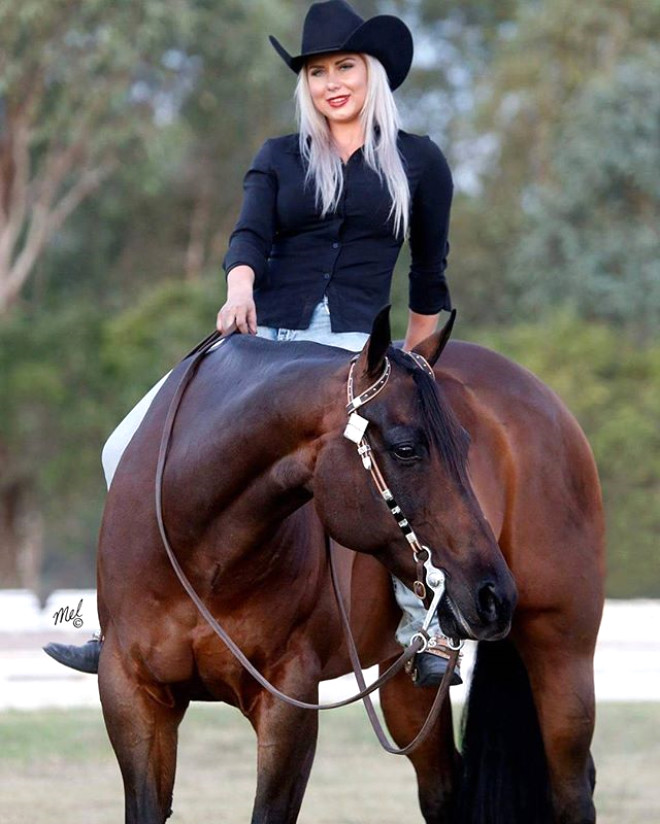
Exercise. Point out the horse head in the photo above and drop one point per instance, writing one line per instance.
(420, 451)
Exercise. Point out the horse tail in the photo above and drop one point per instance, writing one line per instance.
(505, 775)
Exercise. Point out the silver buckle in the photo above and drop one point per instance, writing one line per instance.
(424, 638)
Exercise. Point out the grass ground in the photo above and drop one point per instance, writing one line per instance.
(57, 766)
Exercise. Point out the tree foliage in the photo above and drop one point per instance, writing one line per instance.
(592, 234)
(66, 383)
(146, 98)
(568, 127)
(82, 81)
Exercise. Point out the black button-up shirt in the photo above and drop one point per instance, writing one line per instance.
(349, 255)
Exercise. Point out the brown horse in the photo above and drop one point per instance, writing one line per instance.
(258, 471)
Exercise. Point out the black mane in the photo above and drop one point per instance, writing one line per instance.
(441, 426)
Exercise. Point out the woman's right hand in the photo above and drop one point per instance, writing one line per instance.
(239, 311)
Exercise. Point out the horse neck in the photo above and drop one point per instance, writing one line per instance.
(250, 463)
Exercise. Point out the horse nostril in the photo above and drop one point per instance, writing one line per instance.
(489, 603)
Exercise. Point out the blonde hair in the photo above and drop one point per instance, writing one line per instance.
(380, 119)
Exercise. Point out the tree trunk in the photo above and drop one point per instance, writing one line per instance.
(21, 535)
(199, 223)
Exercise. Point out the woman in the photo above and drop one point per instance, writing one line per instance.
(324, 216)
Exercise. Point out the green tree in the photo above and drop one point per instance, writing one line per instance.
(53, 394)
(243, 93)
(592, 235)
(91, 92)
(66, 383)
(82, 82)
(549, 60)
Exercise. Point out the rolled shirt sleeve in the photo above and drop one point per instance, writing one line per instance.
(429, 230)
(252, 239)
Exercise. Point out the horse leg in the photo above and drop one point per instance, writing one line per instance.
(142, 722)
(561, 678)
(286, 739)
(436, 760)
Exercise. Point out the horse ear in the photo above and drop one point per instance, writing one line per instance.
(431, 348)
(372, 357)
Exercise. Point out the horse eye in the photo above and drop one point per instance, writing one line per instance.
(405, 452)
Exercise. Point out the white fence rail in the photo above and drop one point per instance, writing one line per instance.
(627, 661)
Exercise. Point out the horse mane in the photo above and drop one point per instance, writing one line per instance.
(441, 426)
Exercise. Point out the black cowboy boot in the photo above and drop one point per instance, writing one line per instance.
(429, 667)
(84, 658)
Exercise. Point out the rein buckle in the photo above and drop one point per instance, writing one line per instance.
(420, 590)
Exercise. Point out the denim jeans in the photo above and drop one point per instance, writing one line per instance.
(319, 331)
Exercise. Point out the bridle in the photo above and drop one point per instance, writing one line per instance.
(356, 431)
(434, 577)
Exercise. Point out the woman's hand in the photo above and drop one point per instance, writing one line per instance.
(239, 311)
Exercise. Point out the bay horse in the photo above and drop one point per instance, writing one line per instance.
(258, 473)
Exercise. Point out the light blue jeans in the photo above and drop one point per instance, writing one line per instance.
(319, 331)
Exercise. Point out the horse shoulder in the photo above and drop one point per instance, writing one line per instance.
(531, 467)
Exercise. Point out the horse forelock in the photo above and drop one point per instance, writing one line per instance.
(441, 425)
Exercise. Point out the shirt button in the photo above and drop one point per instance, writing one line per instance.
(335, 245)
(326, 275)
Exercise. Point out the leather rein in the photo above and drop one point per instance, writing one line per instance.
(356, 432)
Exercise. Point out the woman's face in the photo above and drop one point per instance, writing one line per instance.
(338, 85)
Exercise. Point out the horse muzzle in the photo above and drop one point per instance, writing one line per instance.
(481, 615)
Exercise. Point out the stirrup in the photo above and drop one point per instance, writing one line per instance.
(428, 667)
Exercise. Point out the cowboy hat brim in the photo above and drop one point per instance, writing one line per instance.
(384, 37)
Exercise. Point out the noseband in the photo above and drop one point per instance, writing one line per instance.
(356, 431)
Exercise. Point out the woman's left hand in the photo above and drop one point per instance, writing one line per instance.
(239, 312)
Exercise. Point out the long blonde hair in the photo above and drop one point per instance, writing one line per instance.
(380, 120)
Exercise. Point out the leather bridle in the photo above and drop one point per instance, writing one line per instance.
(356, 430)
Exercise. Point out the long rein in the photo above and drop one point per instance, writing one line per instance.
(356, 432)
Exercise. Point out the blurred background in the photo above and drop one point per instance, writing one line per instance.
(126, 127)
(125, 131)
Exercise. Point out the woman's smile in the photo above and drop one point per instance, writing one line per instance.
(338, 86)
(338, 102)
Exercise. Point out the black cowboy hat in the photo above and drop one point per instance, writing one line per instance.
(333, 26)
